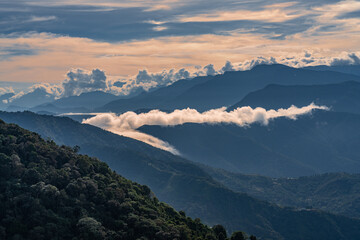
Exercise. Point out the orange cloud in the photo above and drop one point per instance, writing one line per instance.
(57, 54)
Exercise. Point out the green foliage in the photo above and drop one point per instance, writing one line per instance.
(220, 232)
(332, 192)
(51, 192)
(238, 236)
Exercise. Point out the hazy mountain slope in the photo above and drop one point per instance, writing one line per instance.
(231, 87)
(85, 102)
(349, 69)
(319, 143)
(38, 96)
(333, 192)
(50, 108)
(50, 192)
(341, 97)
(3, 98)
(228, 88)
(188, 187)
(158, 99)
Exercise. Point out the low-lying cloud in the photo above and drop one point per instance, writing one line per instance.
(127, 124)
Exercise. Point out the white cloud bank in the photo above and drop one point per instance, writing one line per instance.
(127, 124)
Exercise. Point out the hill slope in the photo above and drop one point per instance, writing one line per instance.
(187, 187)
(50, 192)
(333, 192)
(85, 102)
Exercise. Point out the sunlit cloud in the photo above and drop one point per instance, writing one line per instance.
(268, 15)
(172, 34)
(159, 28)
(41, 19)
(55, 54)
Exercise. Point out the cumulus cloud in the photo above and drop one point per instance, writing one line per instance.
(51, 89)
(303, 60)
(51, 92)
(79, 81)
(210, 70)
(228, 67)
(351, 59)
(127, 124)
(146, 81)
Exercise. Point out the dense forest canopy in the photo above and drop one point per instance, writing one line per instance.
(51, 192)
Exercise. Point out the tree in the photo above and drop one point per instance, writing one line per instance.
(238, 236)
(220, 232)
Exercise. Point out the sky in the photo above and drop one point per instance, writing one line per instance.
(140, 43)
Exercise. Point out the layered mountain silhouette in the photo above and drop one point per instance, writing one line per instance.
(341, 97)
(349, 69)
(204, 93)
(187, 186)
(28, 100)
(85, 102)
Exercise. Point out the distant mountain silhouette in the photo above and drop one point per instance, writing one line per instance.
(204, 93)
(3, 98)
(85, 102)
(161, 98)
(343, 97)
(349, 69)
(37, 97)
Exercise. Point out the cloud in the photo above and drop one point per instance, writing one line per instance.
(79, 81)
(303, 60)
(228, 67)
(41, 19)
(159, 28)
(210, 70)
(4, 90)
(146, 81)
(351, 59)
(271, 14)
(127, 124)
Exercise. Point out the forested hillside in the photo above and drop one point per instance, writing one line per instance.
(51, 192)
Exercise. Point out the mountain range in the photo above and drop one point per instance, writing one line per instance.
(187, 186)
(204, 93)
